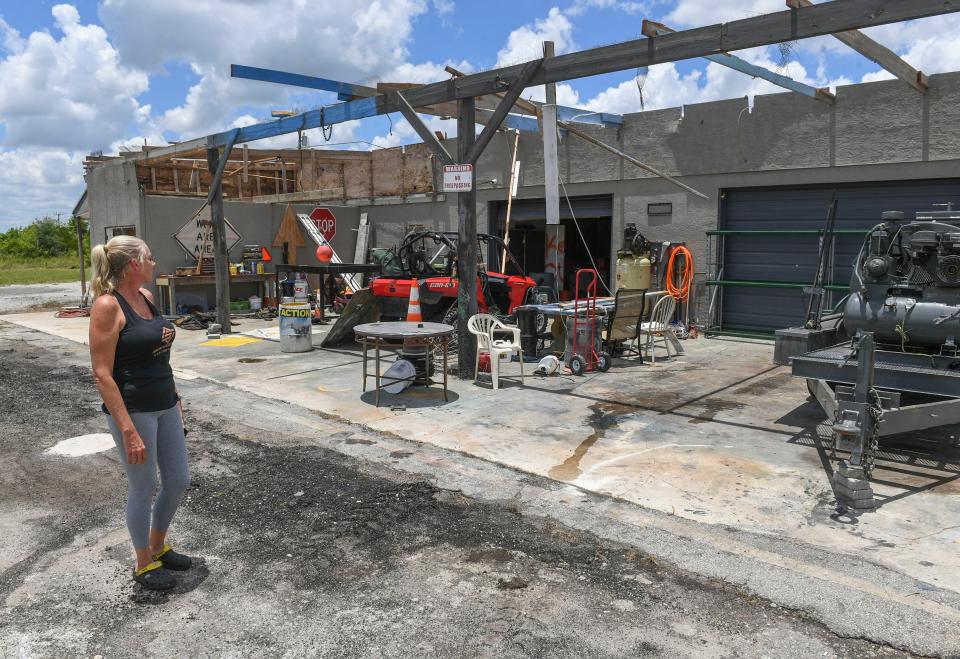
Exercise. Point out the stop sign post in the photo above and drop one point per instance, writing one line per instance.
(325, 221)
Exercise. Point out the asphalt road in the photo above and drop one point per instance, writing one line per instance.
(302, 550)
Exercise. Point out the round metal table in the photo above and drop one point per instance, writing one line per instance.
(396, 336)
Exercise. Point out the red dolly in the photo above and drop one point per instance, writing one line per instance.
(585, 311)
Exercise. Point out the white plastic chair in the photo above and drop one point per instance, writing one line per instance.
(657, 327)
(483, 326)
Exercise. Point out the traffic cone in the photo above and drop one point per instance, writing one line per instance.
(413, 349)
(413, 308)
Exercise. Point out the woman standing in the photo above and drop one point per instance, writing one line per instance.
(130, 351)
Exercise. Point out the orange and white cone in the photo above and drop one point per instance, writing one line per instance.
(413, 347)
(413, 308)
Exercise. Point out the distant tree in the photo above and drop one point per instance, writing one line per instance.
(44, 237)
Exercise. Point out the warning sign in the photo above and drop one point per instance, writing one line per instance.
(196, 236)
(457, 178)
(325, 221)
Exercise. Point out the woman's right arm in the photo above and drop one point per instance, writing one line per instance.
(105, 319)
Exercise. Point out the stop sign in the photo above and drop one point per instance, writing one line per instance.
(325, 222)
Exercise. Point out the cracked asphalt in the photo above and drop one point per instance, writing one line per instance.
(302, 550)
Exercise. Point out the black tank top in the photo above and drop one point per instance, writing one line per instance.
(141, 366)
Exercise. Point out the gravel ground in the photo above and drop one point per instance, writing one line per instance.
(302, 550)
(30, 297)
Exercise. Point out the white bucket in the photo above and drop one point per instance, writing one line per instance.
(255, 303)
(296, 331)
(300, 290)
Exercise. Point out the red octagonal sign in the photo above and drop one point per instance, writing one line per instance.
(325, 222)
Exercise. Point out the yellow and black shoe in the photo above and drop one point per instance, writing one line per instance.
(154, 577)
(172, 560)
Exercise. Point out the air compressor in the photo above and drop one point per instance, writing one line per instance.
(634, 267)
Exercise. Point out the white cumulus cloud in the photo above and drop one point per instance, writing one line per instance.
(327, 38)
(70, 92)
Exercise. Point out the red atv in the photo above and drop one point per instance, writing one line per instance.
(429, 257)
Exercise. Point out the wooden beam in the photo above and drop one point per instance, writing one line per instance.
(466, 245)
(217, 163)
(875, 51)
(221, 272)
(510, 97)
(422, 130)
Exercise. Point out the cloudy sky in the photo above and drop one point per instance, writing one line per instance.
(100, 75)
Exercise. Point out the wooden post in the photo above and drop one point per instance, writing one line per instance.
(83, 274)
(220, 267)
(466, 243)
(506, 226)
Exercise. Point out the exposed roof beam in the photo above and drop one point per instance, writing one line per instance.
(767, 29)
(827, 18)
(877, 52)
(499, 114)
(653, 29)
(425, 133)
(348, 92)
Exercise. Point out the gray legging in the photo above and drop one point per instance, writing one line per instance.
(162, 434)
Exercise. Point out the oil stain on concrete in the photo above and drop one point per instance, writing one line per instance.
(603, 417)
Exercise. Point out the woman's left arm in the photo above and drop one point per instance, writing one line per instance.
(183, 420)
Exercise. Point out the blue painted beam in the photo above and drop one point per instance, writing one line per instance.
(328, 116)
(653, 29)
(755, 71)
(344, 90)
(519, 122)
(582, 116)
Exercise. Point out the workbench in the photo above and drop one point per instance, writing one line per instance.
(326, 269)
(167, 286)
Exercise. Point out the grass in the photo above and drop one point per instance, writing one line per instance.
(51, 270)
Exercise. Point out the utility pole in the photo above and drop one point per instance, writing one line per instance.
(220, 266)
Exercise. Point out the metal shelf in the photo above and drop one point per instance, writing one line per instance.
(784, 232)
(770, 284)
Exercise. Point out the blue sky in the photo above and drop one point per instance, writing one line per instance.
(94, 75)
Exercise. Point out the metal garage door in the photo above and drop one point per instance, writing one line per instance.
(745, 305)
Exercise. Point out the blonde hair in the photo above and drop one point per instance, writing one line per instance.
(110, 260)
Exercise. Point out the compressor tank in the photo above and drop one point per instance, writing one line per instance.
(905, 286)
(905, 321)
(633, 272)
